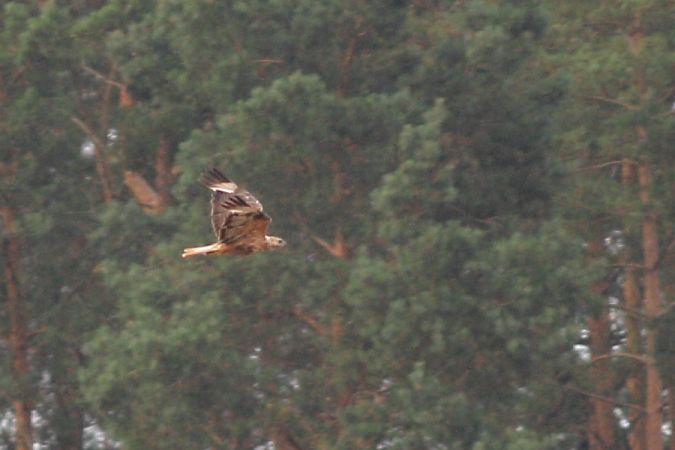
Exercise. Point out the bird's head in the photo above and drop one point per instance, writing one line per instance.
(274, 242)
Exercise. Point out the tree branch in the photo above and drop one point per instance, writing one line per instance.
(602, 398)
(101, 164)
(145, 195)
(629, 311)
(606, 164)
(102, 77)
(613, 102)
(338, 248)
(633, 356)
(88, 131)
(309, 320)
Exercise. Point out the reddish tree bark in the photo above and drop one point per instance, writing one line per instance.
(671, 409)
(650, 247)
(155, 199)
(283, 440)
(144, 194)
(601, 423)
(633, 304)
(102, 168)
(652, 308)
(70, 436)
(163, 176)
(18, 335)
(601, 435)
(347, 58)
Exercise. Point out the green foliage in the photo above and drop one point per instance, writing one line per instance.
(665, 347)
(432, 290)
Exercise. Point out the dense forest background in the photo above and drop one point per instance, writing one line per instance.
(477, 197)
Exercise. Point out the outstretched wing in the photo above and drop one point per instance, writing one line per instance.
(235, 213)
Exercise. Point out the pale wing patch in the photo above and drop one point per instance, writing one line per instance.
(224, 187)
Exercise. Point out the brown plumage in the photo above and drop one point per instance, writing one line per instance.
(238, 220)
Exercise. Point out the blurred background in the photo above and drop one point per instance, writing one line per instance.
(477, 197)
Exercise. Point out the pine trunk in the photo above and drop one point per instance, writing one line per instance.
(635, 382)
(671, 408)
(18, 336)
(103, 172)
(601, 434)
(70, 422)
(102, 168)
(632, 303)
(163, 176)
(652, 308)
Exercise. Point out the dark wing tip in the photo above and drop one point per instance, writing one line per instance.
(214, 176)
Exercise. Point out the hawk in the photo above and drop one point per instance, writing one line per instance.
(237, 218)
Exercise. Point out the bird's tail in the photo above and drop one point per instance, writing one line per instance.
(218, 247)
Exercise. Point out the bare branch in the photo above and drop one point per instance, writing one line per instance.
(603, 398)
(309, 320)
(666, 310)
(606, 164)
(101, 164)
(338, 248)
(629, 311)
(613, 102)
(631, 265)
(633, 356)
(88, 131)
(145, 195)
(269, 61)
(102, 77)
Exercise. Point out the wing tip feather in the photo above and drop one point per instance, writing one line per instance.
(214, 179)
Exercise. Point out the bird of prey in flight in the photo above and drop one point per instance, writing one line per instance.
(237, 218)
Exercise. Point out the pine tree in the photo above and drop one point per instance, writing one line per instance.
(473, 194)
(616, 129)
(334, 344)
(48, 204)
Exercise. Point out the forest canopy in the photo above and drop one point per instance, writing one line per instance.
(476, 198)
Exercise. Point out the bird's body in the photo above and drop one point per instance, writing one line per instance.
(238, 220)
